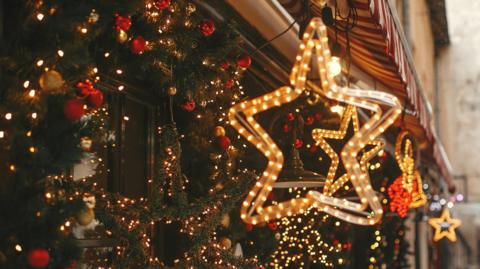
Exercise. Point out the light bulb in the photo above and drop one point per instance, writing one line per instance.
(334, 66)
(337, 109)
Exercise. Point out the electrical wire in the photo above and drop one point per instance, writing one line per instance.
(275, 37)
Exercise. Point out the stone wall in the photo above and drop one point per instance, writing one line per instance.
(422, 45)
(459, 92)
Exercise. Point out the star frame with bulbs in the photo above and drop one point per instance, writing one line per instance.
(319, 135)
(241, 117)
(445, 226)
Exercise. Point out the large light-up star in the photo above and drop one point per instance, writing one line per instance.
(445, 226)
(241, 117)
(320, 136)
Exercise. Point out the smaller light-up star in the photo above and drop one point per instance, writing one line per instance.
(445, 226)
(348, 116)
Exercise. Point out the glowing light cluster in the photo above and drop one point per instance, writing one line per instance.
(300, 242)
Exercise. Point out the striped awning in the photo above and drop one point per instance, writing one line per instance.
(378, 47)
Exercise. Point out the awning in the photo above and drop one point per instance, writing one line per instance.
(379, 48)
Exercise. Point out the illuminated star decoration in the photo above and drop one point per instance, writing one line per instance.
(241, 117)
(374, 101)
(444, 226)
(319, 135)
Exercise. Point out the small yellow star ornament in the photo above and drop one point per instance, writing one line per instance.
(445, 226)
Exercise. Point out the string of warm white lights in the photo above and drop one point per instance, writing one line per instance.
(301, 242)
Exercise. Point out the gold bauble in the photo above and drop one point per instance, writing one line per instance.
(122, 36)
(215, 157)
(191, 8)
(93, 17)
(233, 152)
(278, 236)
(219, 131)
(61, 193)
(226, 243)
(51, 81)
(219, 186)
(225, 221)
(172, 90)
(173, 7)
(86, 143)
(85, 216)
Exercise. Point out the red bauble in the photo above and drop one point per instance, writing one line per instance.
(229, 83)
(224, 142)
(72, 265)
(286, 128)
(271, 196)
(207, 27)
(318, 116)
(38, 258)
(335, 242)
(122, 23)
(244, 61)
(290, 116)
(248, 227)
(313, 148)
(95, 99)
(188, 106)
(73, 109)
(162, 4)
(298, 143)
(84, 88)
(225, 65)
(138, 45)
(347, 246)
(309, 120)
(272, 225)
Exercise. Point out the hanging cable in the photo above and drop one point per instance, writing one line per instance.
(304, 16)
(274, 38)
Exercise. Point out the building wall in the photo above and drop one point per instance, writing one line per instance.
(422, 45)
(459, 92)
(459, 118)
(418, 31)
(415, 18)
